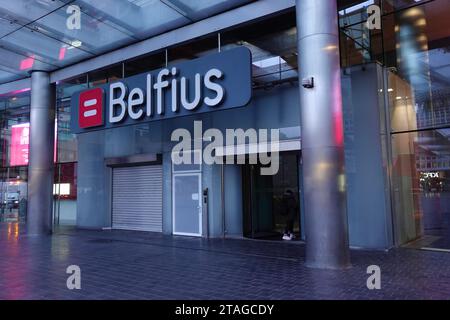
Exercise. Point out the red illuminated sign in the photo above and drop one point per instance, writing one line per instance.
(90, 108)
(20, 144)
(19, 148)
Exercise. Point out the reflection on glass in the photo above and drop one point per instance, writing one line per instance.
(13, 194)
(65, 194)
(416, 45)
(422, 187)
(273, 45)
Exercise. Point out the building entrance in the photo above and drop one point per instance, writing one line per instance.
(271, 203)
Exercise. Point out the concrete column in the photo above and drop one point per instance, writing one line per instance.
(326, 227)
(40, 170)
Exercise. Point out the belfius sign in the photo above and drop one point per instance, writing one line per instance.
(215, 82)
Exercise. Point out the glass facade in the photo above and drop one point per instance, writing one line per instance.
(419, 96)
(412, 45)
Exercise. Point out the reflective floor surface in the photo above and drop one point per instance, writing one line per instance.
(134, 265)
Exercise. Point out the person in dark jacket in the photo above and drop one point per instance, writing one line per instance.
(289, 210)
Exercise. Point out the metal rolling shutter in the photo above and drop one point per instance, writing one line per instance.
(137, 198)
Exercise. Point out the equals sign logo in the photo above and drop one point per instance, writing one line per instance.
(90, 108)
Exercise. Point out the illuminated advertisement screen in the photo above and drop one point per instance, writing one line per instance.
(20, 144)
(19, 147)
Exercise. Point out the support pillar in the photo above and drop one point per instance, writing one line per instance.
(41, 156)
(326, 226)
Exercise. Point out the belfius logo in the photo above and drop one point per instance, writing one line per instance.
(216, 82)
(90, 108)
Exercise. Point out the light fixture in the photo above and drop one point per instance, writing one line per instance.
(76, 43)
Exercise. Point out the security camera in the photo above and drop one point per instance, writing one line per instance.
(308, 83)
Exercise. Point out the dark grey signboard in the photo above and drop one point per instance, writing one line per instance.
(211, 83)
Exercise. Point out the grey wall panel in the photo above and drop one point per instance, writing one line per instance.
(92, 192)
(365, 168)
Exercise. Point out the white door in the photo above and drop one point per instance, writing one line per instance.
(137, 198)
(187, 204)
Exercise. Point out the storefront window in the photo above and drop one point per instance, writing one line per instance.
(14, 148)
(416, 41)
(417, 49)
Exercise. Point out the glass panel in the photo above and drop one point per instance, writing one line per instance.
(21, 63)
(7, 76)
(272, 202)
(145, 63)
(273, 45)
(103, 76)
(358, 44)
(26, 11)
(421, 179)
(36, 34)
(13, 131)
(13, 194)
(65, 89)
(66, 141)
(65, 194)
(14, 141)
(37, 46)
(93, 35)
(390, 6)
(416, 44)
(137, 18)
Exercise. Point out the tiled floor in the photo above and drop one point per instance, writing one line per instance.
(130, 265)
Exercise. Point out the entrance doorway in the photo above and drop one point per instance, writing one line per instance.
(265, 198)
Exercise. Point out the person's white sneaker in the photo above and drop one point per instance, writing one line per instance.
(286, 237)
(291, 236)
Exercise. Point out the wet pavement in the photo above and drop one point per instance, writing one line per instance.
(139, 265)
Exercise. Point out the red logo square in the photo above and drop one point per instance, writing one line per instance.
(90, 108)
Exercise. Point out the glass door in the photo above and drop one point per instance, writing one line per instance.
(271, 203)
